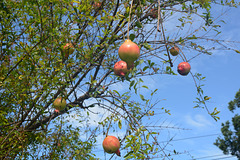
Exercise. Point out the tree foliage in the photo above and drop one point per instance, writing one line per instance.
(230, 142)
(35, 70)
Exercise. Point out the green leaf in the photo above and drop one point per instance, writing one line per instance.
(138, 24)
(207, 98)
(141, 61)
(147, 137)
(120, 124)
(145, 86)
(131, 84)
(132, 37)
(193, 37)
(174, 151)
(137, 147)
(237, 51)
(154, 92)
(128, 154)
(116, 92)
(142, 97)
(145, 68)
(147, 46)
(120, 15)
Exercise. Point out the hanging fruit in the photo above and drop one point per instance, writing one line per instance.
(153, 13)
(111, 145)
(97, 5)
(184, 68)
(59, 104)
(129, 51)
(121, 68)
(68, 49)
(174, 51)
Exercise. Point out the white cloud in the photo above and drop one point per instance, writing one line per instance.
(198, 121)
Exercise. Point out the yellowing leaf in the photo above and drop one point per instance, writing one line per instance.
(20, 77)
(120, 15)
(120, 124)
(207, 98)
(237, 51)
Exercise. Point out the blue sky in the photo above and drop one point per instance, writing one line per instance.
(199, 130)
(222, 82)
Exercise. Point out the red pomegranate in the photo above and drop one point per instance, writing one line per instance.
(111, 145)
(68, 49)
(153, 13)
(183, 68)
(121, 68)
(174, 51)
(97, 5)
(59, 104)
(129, 51)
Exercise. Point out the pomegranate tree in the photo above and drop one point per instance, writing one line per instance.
(174, 51)
(121, 68)
(68, 49)
(183, 68)
(111, 145)
(59, 104)
(129, 51)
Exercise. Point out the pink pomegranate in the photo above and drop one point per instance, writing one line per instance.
(59, 104)
(183, 68)
(68, 49)
(174, 51)
(121, 68)
(111, 145)
(129, 51)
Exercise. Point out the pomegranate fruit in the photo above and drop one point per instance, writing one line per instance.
(97, 5)
(153, 13)
(121, 68)
(111, 145)
(183, 68)
(174, 51)
(59, 104)
(68, 49)
(129, 51)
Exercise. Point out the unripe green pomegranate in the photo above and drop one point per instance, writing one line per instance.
(174, 51)
(59, 104)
